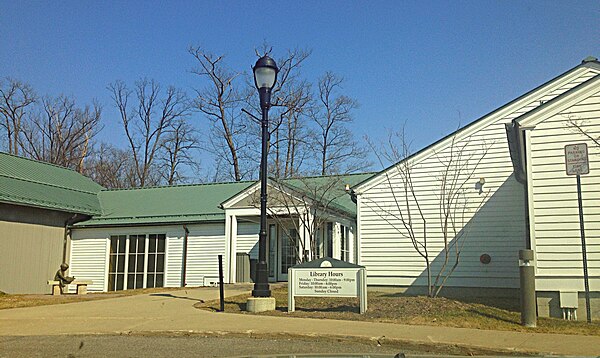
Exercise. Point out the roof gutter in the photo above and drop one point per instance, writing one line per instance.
(67, 233)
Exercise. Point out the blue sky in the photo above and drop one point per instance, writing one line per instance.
(431, 64)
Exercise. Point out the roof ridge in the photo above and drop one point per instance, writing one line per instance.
(47, 184)
(327, 176)
(177, 186)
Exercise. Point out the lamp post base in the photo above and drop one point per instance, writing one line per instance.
(261, 285)
(260, 304)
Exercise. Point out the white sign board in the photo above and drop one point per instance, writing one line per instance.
(330, 282)
(576, 159)
(327, 281)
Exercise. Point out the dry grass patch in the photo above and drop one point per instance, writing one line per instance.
(480, 313)
(26, 300)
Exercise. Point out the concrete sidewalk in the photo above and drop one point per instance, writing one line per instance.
(173, 311)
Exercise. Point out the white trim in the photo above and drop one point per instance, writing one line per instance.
(575, 95)
(358, 233)
(232, 249)
(107, 263)
(240, 196)
(477, 125)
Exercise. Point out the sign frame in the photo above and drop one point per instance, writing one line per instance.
(322, 273)
(576, 159)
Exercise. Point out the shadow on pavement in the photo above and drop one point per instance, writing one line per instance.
(179, 297)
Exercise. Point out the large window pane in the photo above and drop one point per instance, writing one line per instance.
(150, 280)
(161, 243)
(160, 263)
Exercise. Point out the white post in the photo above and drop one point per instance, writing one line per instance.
(363, 290)
(291, 285)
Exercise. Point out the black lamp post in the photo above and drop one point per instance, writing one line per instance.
(265, 76)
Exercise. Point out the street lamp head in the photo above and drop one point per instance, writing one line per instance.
(265, 73)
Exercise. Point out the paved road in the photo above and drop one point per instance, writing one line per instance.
(172, 346)
(173, 312)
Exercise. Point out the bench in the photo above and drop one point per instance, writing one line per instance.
(81, 286)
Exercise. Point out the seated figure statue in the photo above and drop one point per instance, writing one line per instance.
(62, 278)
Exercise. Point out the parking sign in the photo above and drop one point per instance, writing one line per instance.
(576, 159)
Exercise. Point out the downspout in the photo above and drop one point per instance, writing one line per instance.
(67, 233)
(517, 148)
(185, 249)
(522, 142)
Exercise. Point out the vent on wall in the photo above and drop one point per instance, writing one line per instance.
(210, 281)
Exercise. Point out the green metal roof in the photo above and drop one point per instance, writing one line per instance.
(199, 202)
(33, 183)
(167, 204)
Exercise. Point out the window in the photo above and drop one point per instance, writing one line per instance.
(116, 262)
(289, 249)
(319, 243)
(329, 240)
(138, 258)
(344, 242)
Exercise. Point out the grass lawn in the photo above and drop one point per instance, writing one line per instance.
(481, 313)
(27, 300)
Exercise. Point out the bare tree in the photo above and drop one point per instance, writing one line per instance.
(145, 122)
(579, 126)
(305, 204)
(425, 224)
(221, 102)
(334, 143)
(16, 98)
(289, 128)
(111, 167)
(177, 152)
(61, 133)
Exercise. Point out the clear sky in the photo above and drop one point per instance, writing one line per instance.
(432, 64)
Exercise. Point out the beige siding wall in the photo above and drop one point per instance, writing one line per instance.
(556, 214)
(30, 250)
(497, 229)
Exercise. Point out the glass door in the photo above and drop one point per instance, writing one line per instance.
(272, 252)
(288, 253)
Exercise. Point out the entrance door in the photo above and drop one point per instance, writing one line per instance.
(288, 251)
(272, 252)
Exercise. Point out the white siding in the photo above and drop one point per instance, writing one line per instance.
(247, 239)
(497, 229)
(174, 259)
(89, 261)
(556, 214)
(205, 243)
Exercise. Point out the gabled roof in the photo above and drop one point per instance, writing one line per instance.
(330, 188)
(32, 183)
(559, 103)
(337, 195)
(589, 63)
(164, 205)
(531, 119)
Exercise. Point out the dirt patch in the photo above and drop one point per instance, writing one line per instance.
(483, 313)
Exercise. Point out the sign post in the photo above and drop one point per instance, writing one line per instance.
(576, 160)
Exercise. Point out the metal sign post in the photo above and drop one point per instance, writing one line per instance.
(576, 160)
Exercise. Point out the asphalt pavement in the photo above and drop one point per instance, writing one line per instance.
(173, 312)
